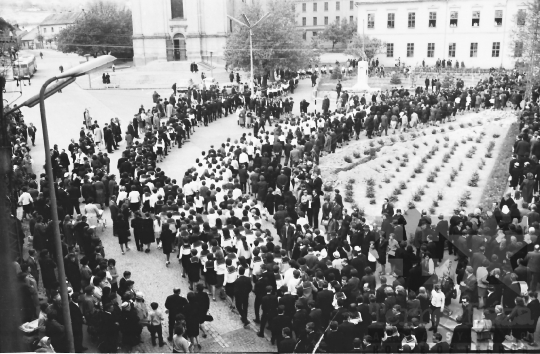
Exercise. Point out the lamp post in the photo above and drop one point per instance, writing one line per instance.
(248, 24)
(211, 67)
(69, 76)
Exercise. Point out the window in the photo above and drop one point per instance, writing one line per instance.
(351, 6)
(337, 20)
(389, 50)
(453, 18)
(518, 49)
(521, 17)
(325, 20)
(303, 7)
(177, 8)
(314, 7)
(495, 49)
(44, 30)
(326, 6)
(452, 50)
(304, 36)
(351, 19)
(410, 50)
(476, 18)
(412, 19)
(498, 17)
(314, 33)
(431, 50)
(337, 6)
(303, 21)
(391, 18)
(474, 50)
(230, 25)
(314, 21)
(370, 20)
(52, 29)
(432, 19)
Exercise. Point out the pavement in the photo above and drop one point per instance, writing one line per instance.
(64, 114)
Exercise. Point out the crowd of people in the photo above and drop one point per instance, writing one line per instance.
(314, 271)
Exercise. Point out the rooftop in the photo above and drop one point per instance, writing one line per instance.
(61, 18)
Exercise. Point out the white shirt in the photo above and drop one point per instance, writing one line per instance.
(437, 299)
(25, 198)
(134, 196)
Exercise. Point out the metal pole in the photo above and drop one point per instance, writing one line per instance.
(10, 304)
(54, 214)
(211, 67)
(363, 39)
(251, 58)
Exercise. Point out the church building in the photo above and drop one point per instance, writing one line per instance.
(178, 30)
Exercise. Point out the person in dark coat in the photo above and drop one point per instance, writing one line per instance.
(73, 272)
(175, 304)
(147, 232)
(461, 338)
(269, 307)
(48, 274)
(193, 269)
(203, 305)
(167, 238)
(76, 323)
(278, 323)
(287, 344)
(122, 228)
(242, 289)
(192, 314)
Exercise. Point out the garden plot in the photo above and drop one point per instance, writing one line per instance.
(435, 169)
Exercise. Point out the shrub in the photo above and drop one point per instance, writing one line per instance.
(371, 143)
(440, 196)
(437, 141)
(478, 140)
(366, 152)
(395, 79)
(350, 186)
(389, 161)
(442, 130)
(425, 143)
(462, 125)
(479, 122)
(372, 201)
(496, 136)
(413, 175)
(471, 152)
(396, 191)
(434, 131)
(415, 146)
(402, 185)
(450, 127)
(414, 153)
(392, 139)
(370, 192)
(432, 210)
(446, 158)
(446, 138)
(421, 190)
(411, 205)
(356, 155)
(349, 193)
(449, 184)
(349, 199)
(381, 142)
(405, 155)
(437, 169)
(370, 182)
(328, 187)
(463, 141)
(418, 169)
(386, 180)
(347, 159)
(397, 169)
(460, 167)
(424, 160)
(469, 138)
(491, 146)
(401, 137)
(445, 145)
(383, 166)
(453, 174)
(470, 124)
(488, 155)
(424, 133)
(473, 182)
(403, 164)
(416, 197)
(392, 198)
(431, 177)
(336, 73)
(413, 136)
(456, 144)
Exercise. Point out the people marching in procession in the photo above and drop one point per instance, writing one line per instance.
(252, 215)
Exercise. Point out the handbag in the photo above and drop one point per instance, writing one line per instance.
(208, 318)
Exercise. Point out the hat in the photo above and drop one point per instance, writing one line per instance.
(336, 254)
(125, 305)
(139, 295)
(70, 290)
(357, 248)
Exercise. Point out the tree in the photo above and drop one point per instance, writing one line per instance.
(373, 47)
(395, 79)
(339, 32)
(525, 42)
(277, 42)
(40, 38)
(105, 27)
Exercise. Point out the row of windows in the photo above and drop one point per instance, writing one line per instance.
(454, 16)
(338, 6)
(315, 22)
(495, 50)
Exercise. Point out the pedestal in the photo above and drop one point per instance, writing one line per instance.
(362, 79)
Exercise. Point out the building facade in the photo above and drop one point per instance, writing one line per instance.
(314, 15)
(475, 32)
(178, 30)
(53, 24)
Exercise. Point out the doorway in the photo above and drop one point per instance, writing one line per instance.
(179, 42)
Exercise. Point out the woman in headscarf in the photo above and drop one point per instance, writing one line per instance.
(45, 346)
(527, 188)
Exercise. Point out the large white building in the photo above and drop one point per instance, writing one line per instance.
(313, 16)
(178, 30)
(475, 32)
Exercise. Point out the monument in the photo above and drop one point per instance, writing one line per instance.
(362, 79)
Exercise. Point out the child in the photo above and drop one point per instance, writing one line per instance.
(154, 324)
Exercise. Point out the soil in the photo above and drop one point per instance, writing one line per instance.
(398, 155)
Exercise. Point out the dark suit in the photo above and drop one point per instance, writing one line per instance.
(334, 341)
(278, 323)
(420, 333)
(269, 307)
(286, 345)
(287, 237)
(76, 325)
(461, 338)
(242, 288)
(324, 302)
(441, 347)
(175, 304)
(33, 268)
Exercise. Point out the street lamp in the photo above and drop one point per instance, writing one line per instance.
(69, 76)
(248, 24)
(211, 67)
